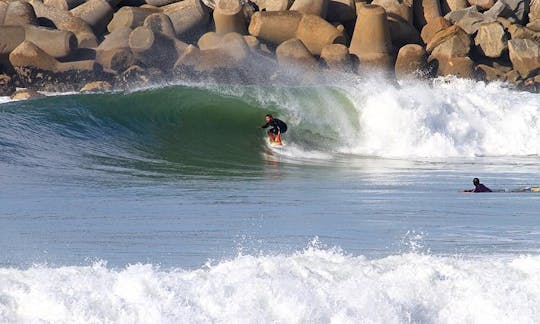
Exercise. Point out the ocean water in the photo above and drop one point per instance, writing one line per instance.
(166, 205)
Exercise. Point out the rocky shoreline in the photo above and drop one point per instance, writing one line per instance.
(99, 45)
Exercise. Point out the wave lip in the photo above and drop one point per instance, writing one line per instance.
(314, 285)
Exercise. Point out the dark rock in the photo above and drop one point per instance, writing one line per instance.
(525, 56)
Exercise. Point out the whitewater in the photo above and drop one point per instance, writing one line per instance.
(166, 205)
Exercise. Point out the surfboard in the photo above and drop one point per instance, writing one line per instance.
(275, 144)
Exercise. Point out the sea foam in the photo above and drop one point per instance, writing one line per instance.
(311, 286)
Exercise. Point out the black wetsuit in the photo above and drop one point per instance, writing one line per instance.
(278, 126)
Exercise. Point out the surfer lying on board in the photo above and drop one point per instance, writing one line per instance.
(478, 187)
(278, 127)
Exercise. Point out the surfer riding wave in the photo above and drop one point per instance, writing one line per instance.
(278, 127)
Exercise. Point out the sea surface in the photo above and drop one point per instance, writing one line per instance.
(166, 205)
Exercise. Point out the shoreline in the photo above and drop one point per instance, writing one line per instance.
(99, 45)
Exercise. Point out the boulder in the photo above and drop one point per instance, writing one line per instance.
(411, 61)
(153, 49)
(371, 41)
(25, 94)
(114, 53)
(458, 66)
(189, 17)
(294, 53)
(514, 10)
(130, 17)
(491, 40)
(160, 23)
(315, 33)
(7, 86)
(96, 86)
(337, 57)
(534, 25)
(457, 45)
(311, 7)
(56, 43)
(424, 11)
(534, 10)
(433, 27)
(341, 11)
(525, 56)
(520, 32)
(488, 73)
(275, 26)
(445, 35)
(513, 76)
(10, 38)
(229, 17)
(448, 6)
(20, 13)
(471, 22)
(482, 4)
(63, 4)
(63, 20)
(96, 13)
(454, 16)
(397, 9)
(496, 10)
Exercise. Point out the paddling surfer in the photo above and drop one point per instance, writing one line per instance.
(478, 187)
(278, 127)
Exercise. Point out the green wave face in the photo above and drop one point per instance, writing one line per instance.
(177, 129)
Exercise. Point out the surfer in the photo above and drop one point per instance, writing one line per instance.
(478, 187)
(278, 127)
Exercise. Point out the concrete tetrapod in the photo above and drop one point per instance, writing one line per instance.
(229, 17)
(97, 13)
(160, 23)
(396, 9)
(337, 57)
(130, 17)
(20, 13)
(371, 41)
(56, 43)
(189, 17)
(63, 20)
(27, 54)
(275, 26)
(411, 61)
(311, 7)
(114, 53)
(294, 53)
(3, 10)
(315, 33)
(10, 38)
(153, 49)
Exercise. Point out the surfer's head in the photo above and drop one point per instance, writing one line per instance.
(268, 118)
(476, 181)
